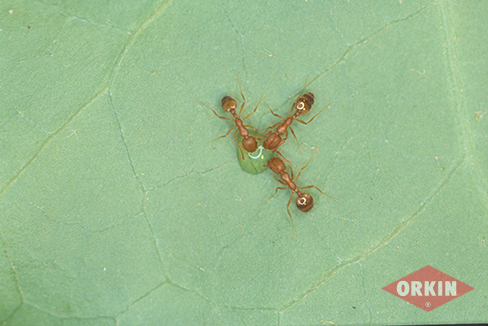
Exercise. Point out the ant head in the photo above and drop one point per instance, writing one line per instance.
(250, 144)
(228, 104)
(272, 141)
(305, 203)
(276, 165)
(304, 103)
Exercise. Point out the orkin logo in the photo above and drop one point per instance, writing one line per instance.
(428, 288)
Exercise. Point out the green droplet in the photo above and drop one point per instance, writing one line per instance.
(253, 162)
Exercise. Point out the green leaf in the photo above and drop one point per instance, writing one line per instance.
(115, 210)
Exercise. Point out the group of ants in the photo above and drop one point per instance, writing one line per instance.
(272, 140)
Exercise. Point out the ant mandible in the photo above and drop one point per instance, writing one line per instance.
(229, 105)
(304, 201)
(302, 106)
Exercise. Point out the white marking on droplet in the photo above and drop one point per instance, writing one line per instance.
(257, 156)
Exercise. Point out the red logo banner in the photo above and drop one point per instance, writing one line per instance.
(428, 288)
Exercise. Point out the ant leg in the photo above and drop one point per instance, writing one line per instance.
(271, 131)
(298, 176)
(291, 219)
(270, 110)
(251, 127)
(286, 136)
(227, 134)
(264, 136)
(235, 135)
(281, 143)
(291, 171)
(276, 191)
(321, 192)
(306, 123)
(218, 116)
(242, 107)
(280, 181)
(293, 133)
(284, 159)
(250, 114)
(240, 89)
(242, 153)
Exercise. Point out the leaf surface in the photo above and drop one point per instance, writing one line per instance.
(115, 210)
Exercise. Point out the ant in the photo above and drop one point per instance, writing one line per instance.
(302, 106)
(304, 201)
(229, 105)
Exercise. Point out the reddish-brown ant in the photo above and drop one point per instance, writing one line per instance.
(302, 106)
(304, 201)
(249, 143)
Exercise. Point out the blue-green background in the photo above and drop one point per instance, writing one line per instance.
(114, 210)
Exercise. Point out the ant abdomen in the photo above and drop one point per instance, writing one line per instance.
(228, 104)
(304, 103)
(305, 203)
